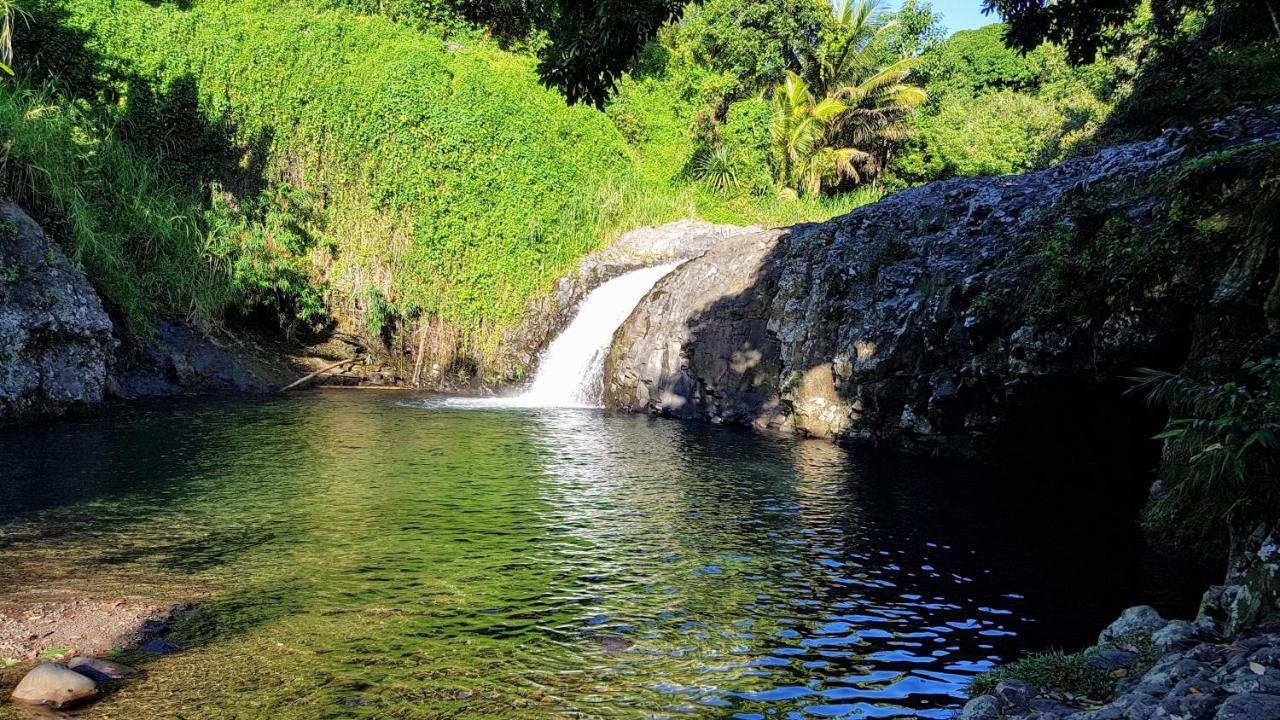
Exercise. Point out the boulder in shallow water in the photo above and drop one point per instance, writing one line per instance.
(54, 685)
(99, 669)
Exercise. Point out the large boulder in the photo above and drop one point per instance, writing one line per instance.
(55, 338)
(54, 685)
(933, 319)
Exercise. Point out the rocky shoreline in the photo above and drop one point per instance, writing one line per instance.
(72, 641)
(1224, 665)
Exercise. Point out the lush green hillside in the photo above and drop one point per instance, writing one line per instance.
(443, 178)
(355, 167)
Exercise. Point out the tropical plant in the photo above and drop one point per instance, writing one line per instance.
(7, 11)
(713, 166)
(837, 126)
(1228, 435)
(801, 126)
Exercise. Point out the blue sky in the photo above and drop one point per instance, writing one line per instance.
(961, 14)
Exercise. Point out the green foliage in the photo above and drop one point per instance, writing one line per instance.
(753, 42)
(914, 29)
(974, 60)
(388, 140)
(834, 126)
(1006, 132)
(746, 133)
(714, 167)
(993, 111)
(1068, 672)
(1227, 434)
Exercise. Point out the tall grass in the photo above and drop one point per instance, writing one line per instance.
(138, 238)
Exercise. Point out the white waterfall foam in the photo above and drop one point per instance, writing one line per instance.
(571, 370)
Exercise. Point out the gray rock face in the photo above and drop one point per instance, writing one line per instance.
(55, 338)
(1251, 592)
(54, 685)
(178, 360)
(905, 323)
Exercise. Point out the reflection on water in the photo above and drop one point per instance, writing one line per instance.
(358, 556)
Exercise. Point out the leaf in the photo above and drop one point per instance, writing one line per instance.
(1257, 668)
(54, 653)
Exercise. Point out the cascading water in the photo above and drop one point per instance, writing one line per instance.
(571, 371)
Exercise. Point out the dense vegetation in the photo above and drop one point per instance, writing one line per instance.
(397, 165)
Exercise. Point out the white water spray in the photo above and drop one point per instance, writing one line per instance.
(571, 370)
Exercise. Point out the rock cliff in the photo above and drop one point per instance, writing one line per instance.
(934, 319)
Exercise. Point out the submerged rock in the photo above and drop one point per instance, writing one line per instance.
(55, 338)
(99, 669)
(54, 685)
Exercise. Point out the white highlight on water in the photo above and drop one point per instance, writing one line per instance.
(571, 370)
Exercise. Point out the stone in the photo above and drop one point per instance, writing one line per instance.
(1249, 706)
(1195, 707)
(1012, 693)
(983, 707)
(54, 685)
(1247, 679)
(904, 323)
(55, 338)
(1251, 593)
(99, 669)
(1111, 659)
(1178, 634)
(1142, 619)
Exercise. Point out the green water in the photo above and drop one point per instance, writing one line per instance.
(373, 555)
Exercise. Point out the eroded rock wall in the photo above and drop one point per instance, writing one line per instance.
(927, 320)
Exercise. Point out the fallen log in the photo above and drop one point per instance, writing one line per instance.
(321, 371)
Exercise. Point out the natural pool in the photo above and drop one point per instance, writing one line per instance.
(372, 554)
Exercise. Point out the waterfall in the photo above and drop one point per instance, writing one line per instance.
(571, 370)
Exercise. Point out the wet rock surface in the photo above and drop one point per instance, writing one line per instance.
(912, 323)
(55, 337)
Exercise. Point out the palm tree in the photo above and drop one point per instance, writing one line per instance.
(863, 110)
(800, 126)
(859, 30)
